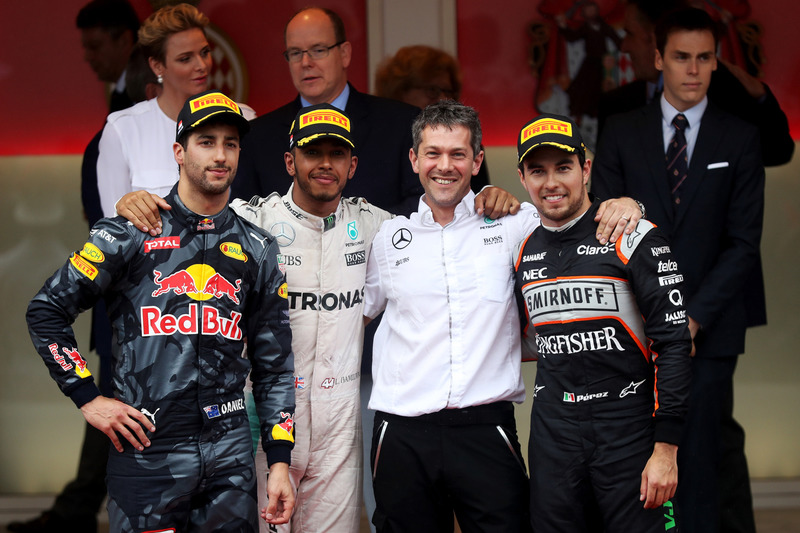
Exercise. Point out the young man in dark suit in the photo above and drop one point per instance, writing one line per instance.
(702, 181)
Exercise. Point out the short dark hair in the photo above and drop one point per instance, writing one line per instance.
(689, 19)
(138, 75)
(449, 114)
(113, 16)
(336, 22)
(651, 11)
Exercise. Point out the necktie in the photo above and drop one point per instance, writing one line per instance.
(677, 158)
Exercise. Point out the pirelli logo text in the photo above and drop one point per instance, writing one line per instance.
(213, 99)
(546, 125)
(83, 266)
(324, 117)
(554, 297)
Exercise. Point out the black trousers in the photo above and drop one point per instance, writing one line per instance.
(462, 461)
(713, 483)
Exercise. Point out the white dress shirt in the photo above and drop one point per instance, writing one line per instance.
(450, 336)
(693, 116)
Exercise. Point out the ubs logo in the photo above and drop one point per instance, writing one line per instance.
(283, 232)
(401, 238)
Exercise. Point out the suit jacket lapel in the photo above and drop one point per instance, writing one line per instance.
(708, 138)
(653, 141)
(357, 110)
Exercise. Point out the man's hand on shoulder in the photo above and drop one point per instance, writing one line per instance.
(141, 208)
(495, 202)
(615, 217)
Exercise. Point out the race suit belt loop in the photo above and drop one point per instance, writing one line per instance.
(491, 413)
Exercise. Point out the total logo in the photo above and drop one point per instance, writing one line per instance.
(198, 282)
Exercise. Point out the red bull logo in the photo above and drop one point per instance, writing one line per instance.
(198, 282)
(219, 287)
(205, 224)
(284, 430)
(205, 321)
(73, 355)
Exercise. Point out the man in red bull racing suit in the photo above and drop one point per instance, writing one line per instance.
(182, 305)
(613, 351)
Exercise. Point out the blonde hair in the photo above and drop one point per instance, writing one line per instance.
(167, 21)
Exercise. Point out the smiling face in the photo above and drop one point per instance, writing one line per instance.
(688, 61)
(445, 163)
(320, 170)
(209, 160)
(556, 183)
(187, 63)
(317, 80)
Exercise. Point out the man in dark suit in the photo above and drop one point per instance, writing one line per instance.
(318, 54)
(707, 195)
(732, 89)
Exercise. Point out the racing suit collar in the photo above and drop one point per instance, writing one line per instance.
(309, 220)
(585, 225)
(192, 220)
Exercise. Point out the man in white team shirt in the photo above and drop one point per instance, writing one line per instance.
(446, 359)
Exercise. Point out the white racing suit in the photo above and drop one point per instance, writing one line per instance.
(325, 262)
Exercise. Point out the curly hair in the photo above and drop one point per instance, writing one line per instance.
(167, 21)
(415, 66)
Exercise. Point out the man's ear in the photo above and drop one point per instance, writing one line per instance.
(353, 166)
(413, 158)
(288, 158)
(177, 150)
(587, 170)
(346, 49)
(659, 61)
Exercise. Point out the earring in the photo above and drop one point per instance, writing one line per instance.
(160, 79)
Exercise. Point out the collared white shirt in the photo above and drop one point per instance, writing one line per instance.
(450, 334)
(693, 115)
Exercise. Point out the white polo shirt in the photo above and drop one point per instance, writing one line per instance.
(450, 334)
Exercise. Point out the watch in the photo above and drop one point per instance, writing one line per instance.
(641, 208)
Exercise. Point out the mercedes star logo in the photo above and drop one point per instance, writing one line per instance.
(401, 238)
(283, 232)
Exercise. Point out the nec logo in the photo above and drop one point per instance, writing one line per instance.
(535, 273)
(162, 243)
